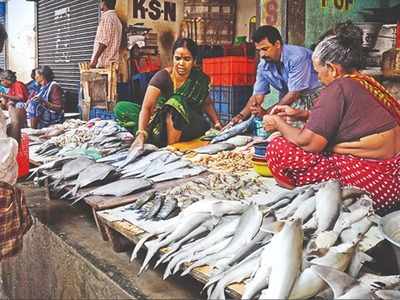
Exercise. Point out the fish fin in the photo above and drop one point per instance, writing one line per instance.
(387, 294)
(56, 182)
(152, 247)
(339, 281)
(79, 199)
(139, 245)
(273, 228)
(358, 260)
(375, 218)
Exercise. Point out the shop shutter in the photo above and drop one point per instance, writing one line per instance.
(3, 53)
(66, 30)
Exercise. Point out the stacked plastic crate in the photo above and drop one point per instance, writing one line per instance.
(232, 79)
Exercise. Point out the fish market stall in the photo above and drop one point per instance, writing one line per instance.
(204, 212)
(284, 244)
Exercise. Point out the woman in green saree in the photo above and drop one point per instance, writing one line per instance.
(175, 101)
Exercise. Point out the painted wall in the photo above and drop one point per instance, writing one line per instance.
(164, 16)
(21, 38)
(246, 9)
(321, 15)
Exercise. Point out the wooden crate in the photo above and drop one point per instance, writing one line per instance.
(99, 88)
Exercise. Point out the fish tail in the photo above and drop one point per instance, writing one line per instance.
(139, 245)
(152, 247)
(79, 199)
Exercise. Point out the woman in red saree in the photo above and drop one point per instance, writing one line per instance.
(352, 134)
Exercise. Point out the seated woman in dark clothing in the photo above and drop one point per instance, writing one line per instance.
(46, 107)
(352, 133)
(175, 101)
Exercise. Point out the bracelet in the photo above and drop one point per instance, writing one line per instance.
(144, 132)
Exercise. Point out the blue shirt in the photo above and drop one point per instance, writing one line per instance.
(294, 73)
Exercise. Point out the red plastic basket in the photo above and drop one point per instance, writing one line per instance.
(147, 64)
(230, 70)
(23, 156)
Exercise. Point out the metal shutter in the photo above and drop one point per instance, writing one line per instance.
(66, 31)
(3, 53)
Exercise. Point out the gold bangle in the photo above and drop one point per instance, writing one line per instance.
(144, 132)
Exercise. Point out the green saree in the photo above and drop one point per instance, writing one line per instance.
(186, 107)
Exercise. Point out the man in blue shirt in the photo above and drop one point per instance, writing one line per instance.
(286, 68)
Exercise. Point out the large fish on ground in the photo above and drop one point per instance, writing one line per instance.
(235, 130)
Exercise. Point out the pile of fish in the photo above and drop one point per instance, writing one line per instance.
(119, 174)
(106, 137)
(154, 206)
(225, 161)
(159, 165)
(292, 245)
(228, 139)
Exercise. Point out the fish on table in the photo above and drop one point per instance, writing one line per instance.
(233, 131)
(214, 148)
(119, 188)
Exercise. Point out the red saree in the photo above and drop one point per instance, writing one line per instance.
(293, 166)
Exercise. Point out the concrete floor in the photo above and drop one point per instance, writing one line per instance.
(64, 257)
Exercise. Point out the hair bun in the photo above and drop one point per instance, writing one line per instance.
(349, 35)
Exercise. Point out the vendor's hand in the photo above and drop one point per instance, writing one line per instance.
(256, 107)
(138, 143)
(270, 123)
(218, 125)
(93, 63)
(235, 120)
(284, 111)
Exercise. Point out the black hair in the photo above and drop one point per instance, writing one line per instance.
(267, 32)
(46, 72)
(344, 47)
(33, 74)
(9, 75)
(186, 43)
(110, 3)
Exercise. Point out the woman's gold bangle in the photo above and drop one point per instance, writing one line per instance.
(144, 132)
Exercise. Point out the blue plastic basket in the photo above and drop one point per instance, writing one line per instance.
(101, 114)
(229, 101)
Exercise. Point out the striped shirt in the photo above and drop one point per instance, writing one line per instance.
(109, 33)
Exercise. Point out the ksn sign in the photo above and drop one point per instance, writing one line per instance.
(338, 4)
(154, 10)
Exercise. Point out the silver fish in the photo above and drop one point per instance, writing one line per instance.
(249, 225)
(181, 163)
(239, 140)
(113, 157)
(214, 148)
(287, 251)
(236, 275)
(180, 173)
(235, 130)
(72, 169)
(346, 287)
(118, 188)
(185, 226)
(135, 153)
(328, 200)
(309, 284)
(93, 173)
(296, 202)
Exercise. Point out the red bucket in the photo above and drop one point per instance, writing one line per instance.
(23, 156)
